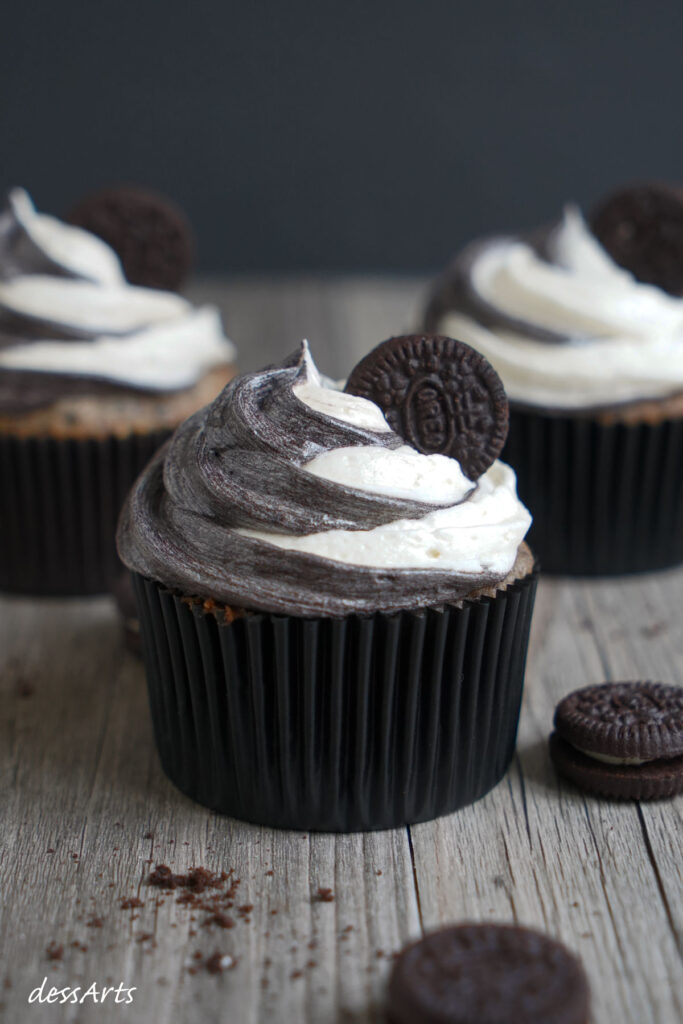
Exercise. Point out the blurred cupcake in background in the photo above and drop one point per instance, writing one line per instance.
(94, 375)
(584, 324)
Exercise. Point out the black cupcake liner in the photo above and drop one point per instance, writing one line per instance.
(606, 499)
(365, 722)
(59, 503)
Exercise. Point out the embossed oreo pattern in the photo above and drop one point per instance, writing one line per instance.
(633, 719)
(440, 395)
(487, 973)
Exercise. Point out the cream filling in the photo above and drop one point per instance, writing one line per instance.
(630, 762)
(629, 335)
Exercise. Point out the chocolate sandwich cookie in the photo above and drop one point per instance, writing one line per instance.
(642, 229)
(487, 974)
(439, 394)
(150, 235)
(621, 740)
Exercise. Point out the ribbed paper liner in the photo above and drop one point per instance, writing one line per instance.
(605, 499)
(59, 503)
(336, 724)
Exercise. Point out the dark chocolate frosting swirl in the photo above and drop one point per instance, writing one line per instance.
(241, 463)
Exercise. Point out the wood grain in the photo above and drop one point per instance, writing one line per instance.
(80, 778)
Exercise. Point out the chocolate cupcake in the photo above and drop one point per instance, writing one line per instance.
(334, 625)
(591, 357)
(94, 375)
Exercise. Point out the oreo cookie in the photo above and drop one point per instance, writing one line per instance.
(488, 974)
(621, 740)
(439, 394)
(150, 235)
(641, 227)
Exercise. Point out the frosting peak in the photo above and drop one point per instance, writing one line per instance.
(288, 496)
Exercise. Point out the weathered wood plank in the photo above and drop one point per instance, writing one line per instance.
(537, 851)
(83, 780)
(80, 776)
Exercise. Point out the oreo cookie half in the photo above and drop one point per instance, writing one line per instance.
(621, 740)
(150, 235)
(487, 973)
(641, 227)
(439, 394)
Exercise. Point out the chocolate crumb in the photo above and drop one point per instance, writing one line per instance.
(148, 835)
(655, 629)
(324, 895)
(145, 937)
(311, 963)
(219, 962)
(55, 951)
(296, 974)
(221, 919)
(378, 872)
(269, 873)
(130, 902)
(95, 922)
(49, 850)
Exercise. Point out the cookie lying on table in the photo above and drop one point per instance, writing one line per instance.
(621, 740)
(488, 973)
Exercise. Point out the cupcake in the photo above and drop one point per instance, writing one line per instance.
(334, 624)
(584, 324)
(94, 375)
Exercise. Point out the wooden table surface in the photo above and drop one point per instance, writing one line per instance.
(86, 808)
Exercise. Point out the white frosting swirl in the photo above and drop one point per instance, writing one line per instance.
(618, 340)
(89, 322)
(479, 533)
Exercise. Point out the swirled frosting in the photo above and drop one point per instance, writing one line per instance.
(71, 324)
(563, 325)
(287, 496)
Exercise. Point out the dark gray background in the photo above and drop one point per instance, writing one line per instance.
(328, 136)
